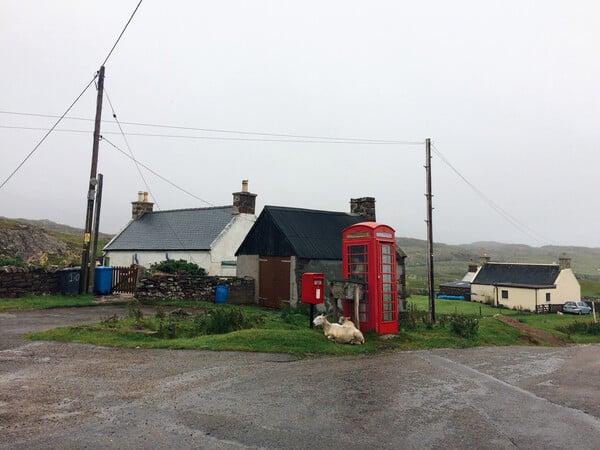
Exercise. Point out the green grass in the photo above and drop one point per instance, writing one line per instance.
(45, 302)
(288, 331)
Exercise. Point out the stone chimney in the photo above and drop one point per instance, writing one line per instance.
(484, 259)
(244, 202)
(472, 267)
(142, 206)
(564, 262)
(364, 206)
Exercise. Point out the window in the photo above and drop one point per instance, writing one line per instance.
(504, 294)
(547, 296)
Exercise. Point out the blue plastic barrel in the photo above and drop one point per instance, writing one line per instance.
(103, 280)
(221, 294)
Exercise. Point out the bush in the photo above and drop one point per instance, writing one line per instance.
(576, 327)
(180, 266)
(221, 321)
(461, 325)
(412, 317)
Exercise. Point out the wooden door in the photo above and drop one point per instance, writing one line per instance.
(274, 280)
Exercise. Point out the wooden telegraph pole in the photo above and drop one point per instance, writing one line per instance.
(87, 236)
(429, 233)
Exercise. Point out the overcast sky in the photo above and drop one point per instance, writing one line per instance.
(508, 91)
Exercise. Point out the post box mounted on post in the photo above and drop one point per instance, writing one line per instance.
(312, 286)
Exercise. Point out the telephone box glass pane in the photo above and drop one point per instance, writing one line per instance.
(357, 264)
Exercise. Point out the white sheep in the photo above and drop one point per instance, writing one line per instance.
(341, 334)
(343, 320)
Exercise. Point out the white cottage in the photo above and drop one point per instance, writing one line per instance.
(526, 286)
(207, 237)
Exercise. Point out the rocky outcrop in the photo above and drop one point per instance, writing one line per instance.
(29, 244)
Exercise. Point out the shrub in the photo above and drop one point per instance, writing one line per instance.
(221, 321)
(461, 325)
(179, 266)
(580, 328)
(412, 317)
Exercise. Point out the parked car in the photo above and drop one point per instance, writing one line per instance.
(576, 308)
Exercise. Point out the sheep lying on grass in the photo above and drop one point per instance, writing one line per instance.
(343, 320)
(341, 334)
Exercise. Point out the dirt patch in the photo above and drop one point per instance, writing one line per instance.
(532, 335)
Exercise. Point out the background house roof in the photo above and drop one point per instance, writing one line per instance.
(305, 233)
(518, 275)
(184, 229)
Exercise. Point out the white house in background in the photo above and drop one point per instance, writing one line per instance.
(526, 286)
(208, 237)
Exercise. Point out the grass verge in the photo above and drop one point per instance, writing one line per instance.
(287, 331)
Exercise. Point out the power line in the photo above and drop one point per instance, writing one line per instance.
(50, 130)
(121, 35)
(155, 173)
(129, 147)
(513, 221)
(216, 130)
(338, 141)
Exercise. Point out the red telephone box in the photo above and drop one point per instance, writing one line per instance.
(369, 257)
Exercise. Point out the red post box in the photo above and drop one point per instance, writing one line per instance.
(369, 258)
(312, 289)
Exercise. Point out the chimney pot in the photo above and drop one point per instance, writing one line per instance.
(244, 185)
(145, 197)
(140, 196)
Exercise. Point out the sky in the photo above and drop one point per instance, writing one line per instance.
(507, 91)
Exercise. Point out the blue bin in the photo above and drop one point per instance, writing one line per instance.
(103, 280)
(221, 294)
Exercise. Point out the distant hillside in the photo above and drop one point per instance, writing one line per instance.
(46, 242)
(451, 261)
(40, 242)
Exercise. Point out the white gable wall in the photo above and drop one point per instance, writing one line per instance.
(567, 287)
(226, 244)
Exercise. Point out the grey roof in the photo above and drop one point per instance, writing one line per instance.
(183, 229)
(305, 233)
(518, 275)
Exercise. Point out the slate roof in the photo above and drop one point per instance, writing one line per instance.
(304, 233)
(518, 275)
(183, 229)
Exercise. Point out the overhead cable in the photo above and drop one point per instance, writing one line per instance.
(504, 214)
(48, 131)
(254, 133)
(154, 172)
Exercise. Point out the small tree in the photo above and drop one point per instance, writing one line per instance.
(180, 266)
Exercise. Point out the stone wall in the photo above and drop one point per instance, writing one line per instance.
(22, 281)
(190, 287)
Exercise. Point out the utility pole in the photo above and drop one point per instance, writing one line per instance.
(87, 236)
(429, 233)
(95, 230)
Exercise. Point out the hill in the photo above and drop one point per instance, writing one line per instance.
(45, 242)
(451, 261)
(40, 242)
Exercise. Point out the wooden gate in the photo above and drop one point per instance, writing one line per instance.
(124, 280)
(274, 281)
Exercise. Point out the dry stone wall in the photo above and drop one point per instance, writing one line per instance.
(190, 287)
(22, 281)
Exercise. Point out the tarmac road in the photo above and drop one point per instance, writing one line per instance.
(55, 395)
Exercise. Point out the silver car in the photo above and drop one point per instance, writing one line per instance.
(576, 308)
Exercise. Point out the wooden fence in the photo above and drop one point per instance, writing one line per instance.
(124, 280)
